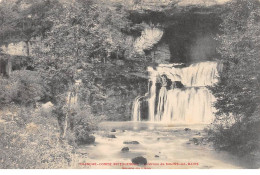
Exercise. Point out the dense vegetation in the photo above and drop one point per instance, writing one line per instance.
(237, 125)
(85, 51)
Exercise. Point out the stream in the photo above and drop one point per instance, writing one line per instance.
(164, 146)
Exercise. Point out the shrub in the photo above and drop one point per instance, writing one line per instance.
(236, 127)
(23, 87)
(83, 124)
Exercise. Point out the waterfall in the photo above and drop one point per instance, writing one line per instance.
(136, 109)
(179, 94)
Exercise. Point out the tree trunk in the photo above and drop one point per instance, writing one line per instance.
(8, 67)
(68, 116)
(27, 48)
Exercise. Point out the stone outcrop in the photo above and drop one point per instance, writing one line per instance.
(149, 37)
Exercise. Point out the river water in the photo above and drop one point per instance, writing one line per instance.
(164, 146)
(162, 141)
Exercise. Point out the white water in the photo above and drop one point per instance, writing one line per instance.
(198, 74)
(188, 105)
(136, 109)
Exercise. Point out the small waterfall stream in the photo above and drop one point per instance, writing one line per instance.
(136, 109)
(179, 94)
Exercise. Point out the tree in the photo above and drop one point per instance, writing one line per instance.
(22, 20)
(83, 43)
(238, 101)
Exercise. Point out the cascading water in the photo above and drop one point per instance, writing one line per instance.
(136, 109)
(180, 95)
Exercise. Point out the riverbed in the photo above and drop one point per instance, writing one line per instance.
(164, 146)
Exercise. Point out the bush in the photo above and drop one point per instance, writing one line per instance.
(236, 127)
(82, 135)
(23, 87)
(83, 124)
(241, 138)
(32, 141)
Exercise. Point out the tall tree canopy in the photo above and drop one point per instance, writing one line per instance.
(85, 42)
(22, 20)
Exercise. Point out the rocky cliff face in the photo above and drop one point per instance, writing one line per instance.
(186, 33)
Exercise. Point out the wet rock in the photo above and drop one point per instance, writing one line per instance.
(196, 141)
(91, 139)
(87, 139)
(177, 84)
(156, 156)
(125, 149)
(81, 151)
(131, 142)
(111, 136)
(187, 129)
(139, 160)
(113, 130)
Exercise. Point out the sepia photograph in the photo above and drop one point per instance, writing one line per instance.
(130, 84)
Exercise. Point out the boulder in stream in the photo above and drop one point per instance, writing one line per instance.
(125, 149)
(139, 160)
(187, 129)
(131, 142)
(113, 130)
(111, 136)
(88, 139)
(197, 140)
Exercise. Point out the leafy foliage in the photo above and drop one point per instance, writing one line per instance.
(23, 88)
(86, 42)
(238, 101)
(21, 20)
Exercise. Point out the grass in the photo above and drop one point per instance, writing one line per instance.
(30, 140)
